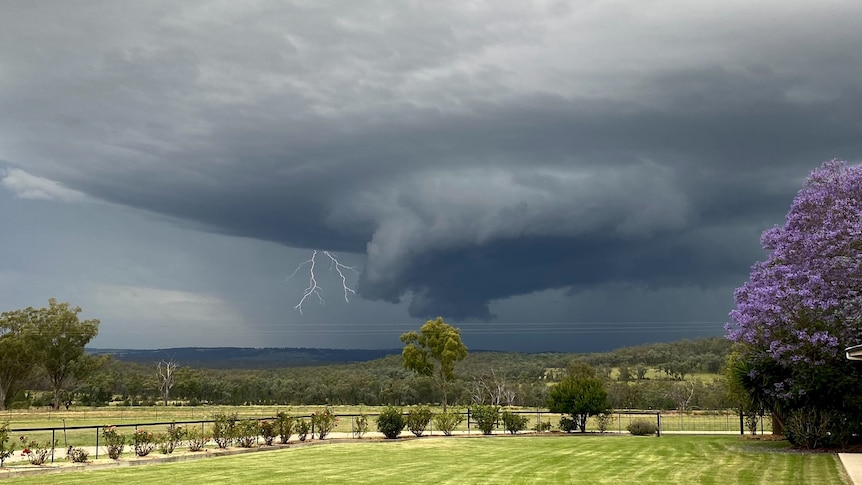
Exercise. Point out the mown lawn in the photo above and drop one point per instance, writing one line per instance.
(720, 460)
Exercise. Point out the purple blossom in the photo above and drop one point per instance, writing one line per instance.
(803, 305)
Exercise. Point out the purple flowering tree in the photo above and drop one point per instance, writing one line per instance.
(803, 305)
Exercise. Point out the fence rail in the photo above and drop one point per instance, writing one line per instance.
(667, 422)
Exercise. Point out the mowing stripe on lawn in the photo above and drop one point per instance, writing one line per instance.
(573, 459)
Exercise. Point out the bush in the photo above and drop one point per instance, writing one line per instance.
(223, 429)
(751, 422)
(448, 421)
(168, 441)
(486, 417)
(390, 422)
(267, 431)
(302, 429)
(418, 419)
(514, 422)
(6, 449)
(143, 441)
(603, 421)
(642, 427)
(542, 426)
(285, 425)
(323, 422)
(568, 424)
(360, 426)
(114, 441)
(77, 455)
(245, 433)
(197, 438)
(808, 428)
(36, 452)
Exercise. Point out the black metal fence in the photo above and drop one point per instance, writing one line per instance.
(539, 420)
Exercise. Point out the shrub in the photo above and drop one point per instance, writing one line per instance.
(514, 422)
(168, 441)
(223, 429)
(6, 449)
(245, 433)
(448, 421)
(418, 419)
(808, 428)
(285, 425)
(323, 422)
(486, 417)
(77, 455)
(143, 441)
(114, 441)
(751, 422)
(360, 426)
(36, 452)
(542, 426)
(197, 438)
(603, 421)
(268, 431)
(642, 427)
(391, 422)
(568, 424)
(302, 429)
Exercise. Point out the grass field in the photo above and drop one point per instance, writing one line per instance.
(720, 460)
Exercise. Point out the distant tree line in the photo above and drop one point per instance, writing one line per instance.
(493, 378)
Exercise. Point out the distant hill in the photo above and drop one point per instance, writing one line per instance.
(246, 358)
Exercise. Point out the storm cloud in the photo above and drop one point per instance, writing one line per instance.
(467, 152)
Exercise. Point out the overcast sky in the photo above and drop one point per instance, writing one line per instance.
(568, 176)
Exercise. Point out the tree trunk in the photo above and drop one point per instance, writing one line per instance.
(777, 424)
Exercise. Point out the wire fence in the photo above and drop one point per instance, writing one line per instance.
(538, 420)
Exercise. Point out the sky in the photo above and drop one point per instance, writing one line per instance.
(547, 176)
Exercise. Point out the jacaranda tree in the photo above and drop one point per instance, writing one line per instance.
(801, 307)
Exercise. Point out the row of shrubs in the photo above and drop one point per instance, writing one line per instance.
(228, 430)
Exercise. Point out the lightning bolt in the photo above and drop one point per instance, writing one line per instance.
(313, 286)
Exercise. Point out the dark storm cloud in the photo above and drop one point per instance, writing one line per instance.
(473, 152)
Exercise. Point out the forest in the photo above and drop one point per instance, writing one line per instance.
(683, 375)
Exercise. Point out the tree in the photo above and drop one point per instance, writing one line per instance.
(165, 375)
(16, 356)
(433, 352)
(579, 394)
(803, 305)
(59, 338)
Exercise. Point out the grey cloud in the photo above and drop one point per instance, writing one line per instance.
(472, 153)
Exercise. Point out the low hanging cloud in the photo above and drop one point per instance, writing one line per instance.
(27, 186)
(472, 152)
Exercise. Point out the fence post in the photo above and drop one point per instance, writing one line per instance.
(741, 423)
(658, 418)
(53, 444)
(468, 420)
(97, 443)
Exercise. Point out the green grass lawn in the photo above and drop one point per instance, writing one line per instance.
(720, 460)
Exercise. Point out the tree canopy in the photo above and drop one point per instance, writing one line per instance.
(50, 339)
(433, 352)
(580, 394)
(803, 305)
